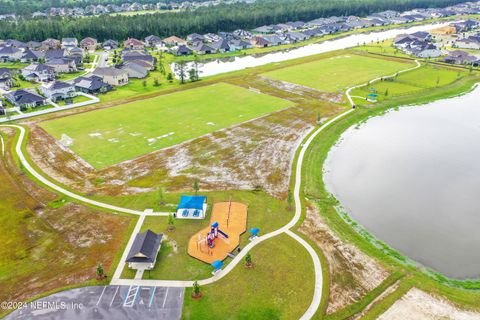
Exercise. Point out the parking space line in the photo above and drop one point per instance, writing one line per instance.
(151, 297)
(100, 298)
(116, 291)
(165, 299)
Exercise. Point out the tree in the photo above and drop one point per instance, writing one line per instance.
(161, 65)
(438, 80)
(161, 196)
(171, 222)
(195, 186)
(192, 74)
(196, 293)
(386, 92)
(319, 118)
(248, 260)
(170, 77)
(144, 83)
(156, 83)
(290, 200)
(180, 69)
(100, 272)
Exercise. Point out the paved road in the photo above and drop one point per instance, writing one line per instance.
(102, 61)
(106, 302)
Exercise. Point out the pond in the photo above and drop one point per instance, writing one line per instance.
(412, 178)
(217, 66)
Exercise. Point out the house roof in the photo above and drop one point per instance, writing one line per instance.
(110, 72)
(133, 42)
(192, 202)
(88, 42)
(57, 85)
(174, 39)
(91, 83)
(220, 45)
(9, 50)
(39, 67)
(145, 247)
(23, 96)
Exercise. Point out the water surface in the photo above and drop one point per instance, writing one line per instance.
(412, 178)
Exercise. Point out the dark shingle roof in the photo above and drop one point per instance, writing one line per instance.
(145, 247)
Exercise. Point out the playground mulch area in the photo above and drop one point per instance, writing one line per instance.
(232, 220)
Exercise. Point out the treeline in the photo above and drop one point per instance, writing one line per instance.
(26, 7)
(219, 18)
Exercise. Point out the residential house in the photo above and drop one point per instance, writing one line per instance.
(110, 45)
(62, 65)
(174, 41)
(51, 44)
(238, 44)
(259, 42)
(58, 90)
(152, 41)
(467, 43)
(112, 76)
(242, 34)
(211, 37)
(274, 40)
(10, 54)
(461, 57)
(131, 55)
(6, 78)
(91, 85)
(144, 250)
(34, 45)
(135, 44)
(31, 56)
(466, 25)
(25, 98)
(195, 37)
(263, 30)
(135, 70)
(89, 44)
(202, 48)
(69, 42)
(38, 72)
(422, 36)
(220, 45)
(181, 50)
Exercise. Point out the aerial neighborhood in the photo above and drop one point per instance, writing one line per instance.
(51, 60)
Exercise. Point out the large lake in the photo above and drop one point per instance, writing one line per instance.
(223, 65)
(412, 178)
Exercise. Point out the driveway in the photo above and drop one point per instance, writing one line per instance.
(106, 302)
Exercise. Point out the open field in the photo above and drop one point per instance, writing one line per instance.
(337, 73)
(278, 287)
(46, 247)
(109, 136)
(264, 212)
(412, 82)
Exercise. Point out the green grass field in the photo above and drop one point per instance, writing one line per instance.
(113, 135)
(278, 287)
(264, 212)
(337, 73)
(412, 82)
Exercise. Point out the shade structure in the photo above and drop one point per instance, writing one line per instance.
(254, 231)
(217, 264)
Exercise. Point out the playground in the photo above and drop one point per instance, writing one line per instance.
(228, 221)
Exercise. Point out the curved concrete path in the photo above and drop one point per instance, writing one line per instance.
(43, 180)
(350, 97)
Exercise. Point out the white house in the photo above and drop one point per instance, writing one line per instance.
(58, 90)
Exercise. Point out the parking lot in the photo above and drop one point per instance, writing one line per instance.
(106, 302)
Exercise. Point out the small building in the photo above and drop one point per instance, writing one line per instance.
(112, 76)
(62, 65)
(25, 98)
(135, 70)
(182, 50)
(89, 44)
(6, 78)
(69, 42)
(58, 90)
(51, 44)
(144, 250)
(91, 85)
(135, 44)
(110, 45)
(152, 41)
(220, 45)
(202, 48)
(30, 56)
(10, 54)
(38, 72)
(174, 41)
(192, 207)
(259, 42)
(467, 43)
(237, 44)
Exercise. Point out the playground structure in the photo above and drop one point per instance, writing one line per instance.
(228, 221)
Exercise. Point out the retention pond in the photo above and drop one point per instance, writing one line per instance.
(412, 178)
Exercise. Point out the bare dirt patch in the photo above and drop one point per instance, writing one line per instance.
(352, 273)
(252, 155)
(417, 304)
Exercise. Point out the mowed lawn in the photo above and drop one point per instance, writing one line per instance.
(425, 78)
(109, 136)
(337, 73)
